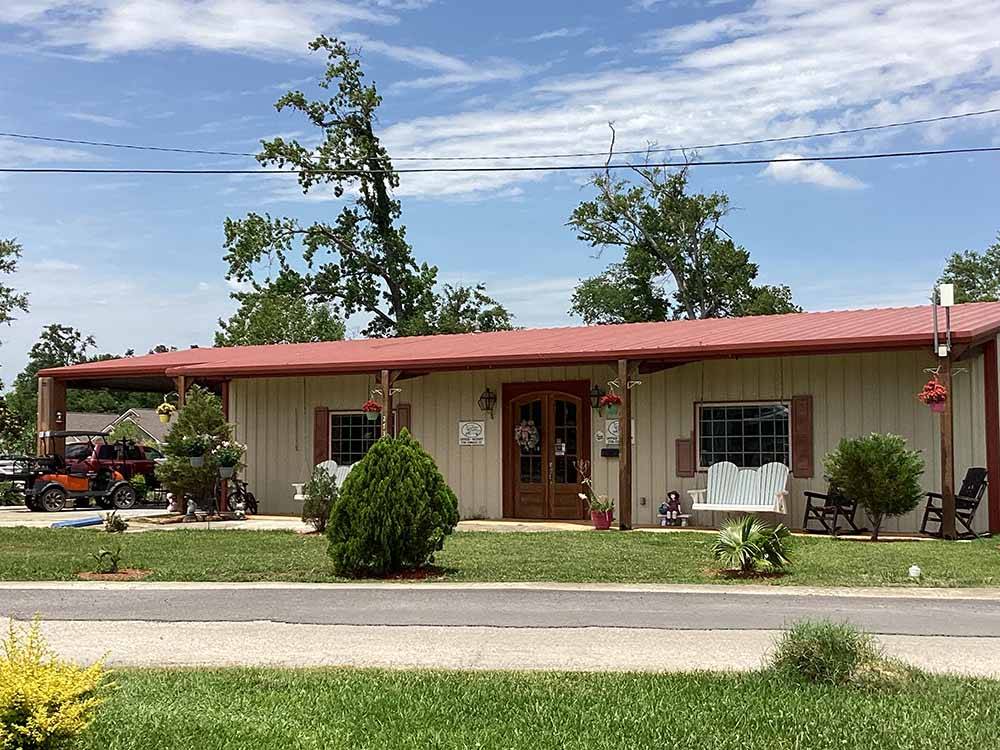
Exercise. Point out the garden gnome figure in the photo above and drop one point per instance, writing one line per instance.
(240, 511)
(192, 508)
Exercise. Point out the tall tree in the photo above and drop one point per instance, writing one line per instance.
(677, 261)
(361, 261)
(976, 276)
(278, 314)
(10, 299)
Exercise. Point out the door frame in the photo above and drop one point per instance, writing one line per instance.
(510, 391)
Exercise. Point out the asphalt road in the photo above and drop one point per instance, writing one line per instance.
(503, 607)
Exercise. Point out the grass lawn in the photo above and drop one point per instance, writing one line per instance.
(243, 708)
(59, 554)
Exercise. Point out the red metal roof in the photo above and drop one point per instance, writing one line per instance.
(681, 340)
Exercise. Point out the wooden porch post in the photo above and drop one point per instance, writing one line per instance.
(51, 415)
(180, 383)
(224, 485)
(947, 455)
(991, 388)
(624, 450)
(386, 379)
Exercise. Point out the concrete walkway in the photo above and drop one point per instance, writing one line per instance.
(488, 626)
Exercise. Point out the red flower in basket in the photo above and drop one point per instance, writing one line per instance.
(934, 394)
(370, 406)
(611, 399)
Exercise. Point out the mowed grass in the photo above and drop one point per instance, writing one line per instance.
(637, 557)
(261, 708)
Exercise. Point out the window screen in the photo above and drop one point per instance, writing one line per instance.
(351, 435)
(747, 434)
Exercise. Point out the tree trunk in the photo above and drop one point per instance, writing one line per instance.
(876, 525)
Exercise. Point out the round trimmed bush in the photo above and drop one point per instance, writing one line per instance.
(825, 652)
(393, 511)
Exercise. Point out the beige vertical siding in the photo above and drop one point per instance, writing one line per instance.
(852, 394)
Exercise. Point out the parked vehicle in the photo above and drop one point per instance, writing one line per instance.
(49, 484)
(124, 456)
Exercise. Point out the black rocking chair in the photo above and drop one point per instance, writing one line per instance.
(829, 509)
(967, 501)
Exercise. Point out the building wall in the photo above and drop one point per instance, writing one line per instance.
(852, 395)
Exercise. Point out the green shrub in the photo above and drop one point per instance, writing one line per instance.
(879, 473)
(393, 511)
(45, 702)
(826, 653)
(746, 544)
(141, 486)
(11, 494)
(320, 493)
(108, 560)
(114, 523)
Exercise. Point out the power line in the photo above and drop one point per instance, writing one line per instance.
(512, 157)
(533, 168)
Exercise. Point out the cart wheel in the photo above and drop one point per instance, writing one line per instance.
(124, 497)
(53, 499)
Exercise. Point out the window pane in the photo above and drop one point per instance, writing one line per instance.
(748, 435)
(351, 435)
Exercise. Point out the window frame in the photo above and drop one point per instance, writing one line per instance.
(700, 405)
(347, 413)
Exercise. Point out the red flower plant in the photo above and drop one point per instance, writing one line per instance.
(612, 399)
(933, 392)
(370, 406)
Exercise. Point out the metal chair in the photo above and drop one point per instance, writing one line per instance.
(967, 501)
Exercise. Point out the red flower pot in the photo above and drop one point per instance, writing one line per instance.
(937, 406)
(602, 519)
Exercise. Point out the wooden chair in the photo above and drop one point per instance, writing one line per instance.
(829, 509)
(743, 490)
(967, 501)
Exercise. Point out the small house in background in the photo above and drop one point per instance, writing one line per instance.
(511, 416)
(148, 427)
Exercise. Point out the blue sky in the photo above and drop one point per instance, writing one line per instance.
(136, 260)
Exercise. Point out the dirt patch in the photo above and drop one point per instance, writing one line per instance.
(125, 574)
(751, 575)
(416, 574)
(181, 518)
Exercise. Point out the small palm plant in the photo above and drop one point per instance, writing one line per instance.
(746, 544)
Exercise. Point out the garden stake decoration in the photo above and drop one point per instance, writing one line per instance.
(934, 394)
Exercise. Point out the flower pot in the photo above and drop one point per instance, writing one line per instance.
(164, 418)
(937, 406)
(372, 415)
(602, 519)
(226, 472)
(197, 461)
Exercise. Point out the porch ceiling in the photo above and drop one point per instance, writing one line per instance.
(664, 343)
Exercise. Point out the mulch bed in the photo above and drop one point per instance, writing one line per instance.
(416, 574)
(752, 575)
(125, 574)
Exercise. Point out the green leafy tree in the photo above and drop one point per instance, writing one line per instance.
(279, 313)
(361, 262)
(320, 494)
(677, 261)
(976, 276)
(201, 415)
(879, 473)
(10, 299)
(127, 430)
(393, 511)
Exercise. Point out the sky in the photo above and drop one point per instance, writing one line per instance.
(136, 260)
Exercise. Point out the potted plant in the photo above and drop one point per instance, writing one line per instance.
(602, 508)
(165, 411)
(372, 409)
(228, 454)
(610, 404)
(934, 394)
(195, 447)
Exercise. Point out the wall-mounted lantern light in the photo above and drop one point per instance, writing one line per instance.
(488, 401)
(596, 394)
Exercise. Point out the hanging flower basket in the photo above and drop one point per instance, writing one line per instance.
(372, 409)
(165, 411)
(526, 436)
(934, 395)
(610, 404)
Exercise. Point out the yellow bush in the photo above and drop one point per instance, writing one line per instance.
(45, 702)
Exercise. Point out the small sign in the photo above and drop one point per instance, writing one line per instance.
(472, 433)
(560, 449)
(611, 430)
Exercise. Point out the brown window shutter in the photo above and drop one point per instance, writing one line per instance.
(321, 435)
(802, 436)
(401, 418)
(685, 457)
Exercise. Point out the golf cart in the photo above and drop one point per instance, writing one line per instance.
(48, 484)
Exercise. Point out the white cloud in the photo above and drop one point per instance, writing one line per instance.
(812, 173)
(566, 32)
(599, 49)
(111, 122)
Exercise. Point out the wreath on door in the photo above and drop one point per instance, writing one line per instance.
(526, 435)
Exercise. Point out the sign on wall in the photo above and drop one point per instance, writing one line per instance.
(611, 432)
(472, 433)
